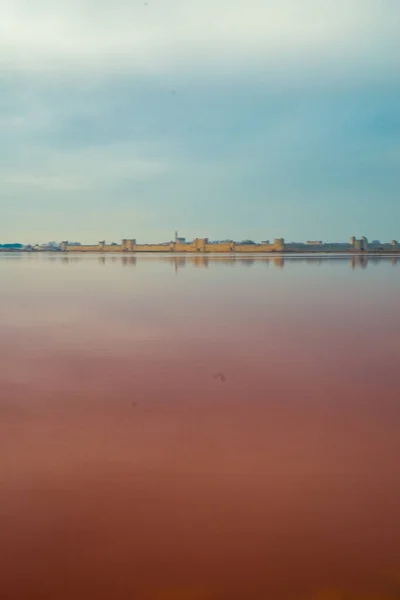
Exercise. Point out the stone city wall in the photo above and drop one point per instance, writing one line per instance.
(198, 245)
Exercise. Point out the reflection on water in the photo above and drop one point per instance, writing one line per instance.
(229, 433)
(129, 260)
(359, 261)
(355, 262)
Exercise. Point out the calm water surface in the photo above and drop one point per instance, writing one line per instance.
(199, 428)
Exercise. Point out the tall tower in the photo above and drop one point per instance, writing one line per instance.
(176, 236)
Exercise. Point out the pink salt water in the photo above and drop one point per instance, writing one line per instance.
(199, 428)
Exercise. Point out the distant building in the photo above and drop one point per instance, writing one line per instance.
(179, 240)
(11, 246)
(359, 245)
(128, 245)
(50, 246)
(279, 244)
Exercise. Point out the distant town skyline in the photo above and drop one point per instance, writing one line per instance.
(205, 245)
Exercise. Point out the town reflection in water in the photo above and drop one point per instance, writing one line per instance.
(203, 262)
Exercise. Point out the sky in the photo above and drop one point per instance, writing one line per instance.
(221, 119)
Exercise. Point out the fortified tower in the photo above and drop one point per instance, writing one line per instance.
(359, 245)
(279, 244)
(199, 244)
(128, 245)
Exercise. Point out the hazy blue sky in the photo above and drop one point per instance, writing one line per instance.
(223, 118)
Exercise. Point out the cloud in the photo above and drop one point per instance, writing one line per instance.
(81, 170)
(219, 118)
(155, 36)
(128, 160)
(46, 182)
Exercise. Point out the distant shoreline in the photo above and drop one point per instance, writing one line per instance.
(271, 253)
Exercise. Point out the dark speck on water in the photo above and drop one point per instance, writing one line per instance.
(220, 376)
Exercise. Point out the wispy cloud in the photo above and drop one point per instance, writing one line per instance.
(83, 169)
(50, 182)
(154, 35)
